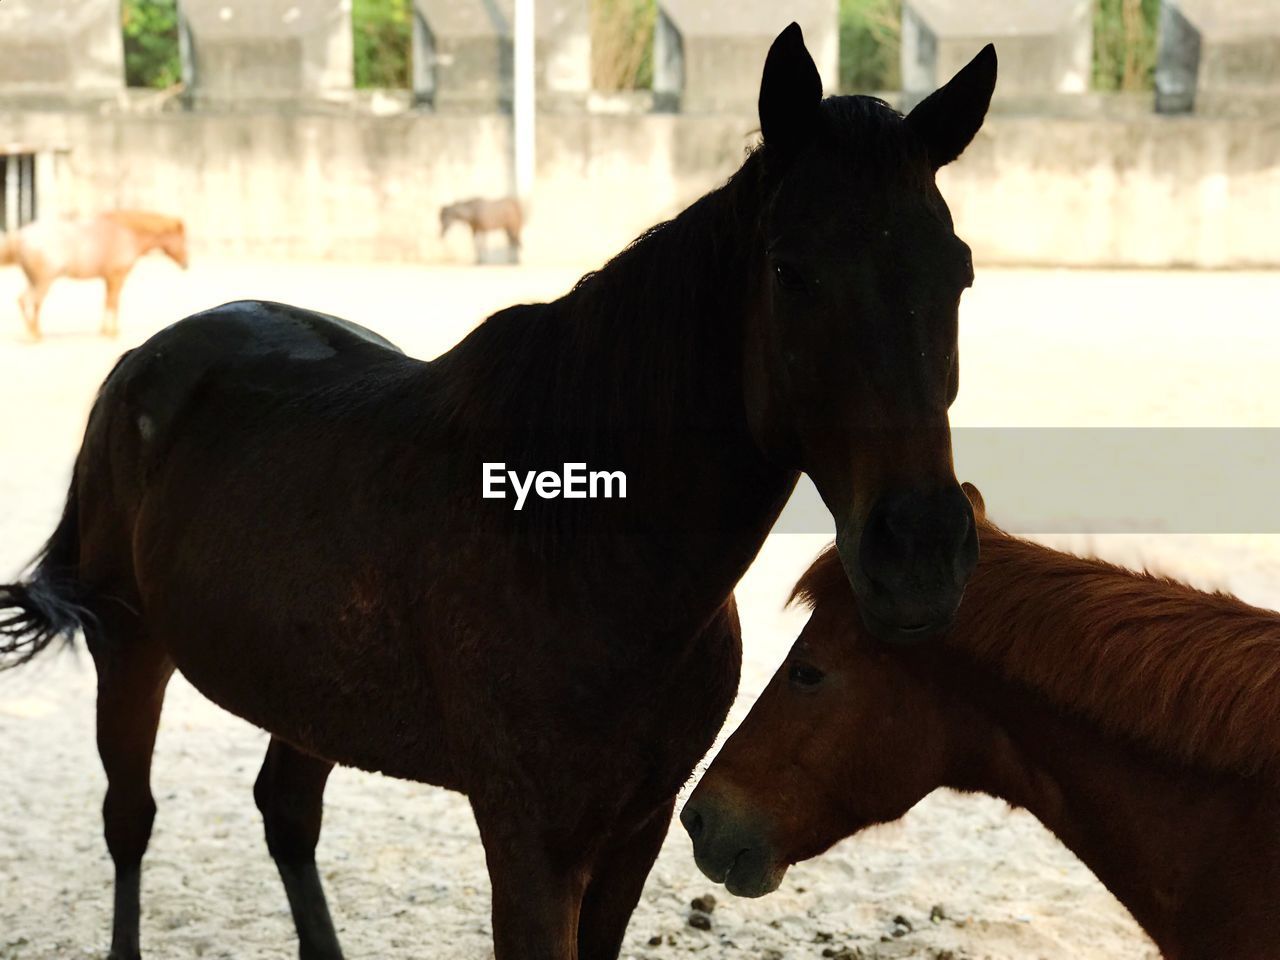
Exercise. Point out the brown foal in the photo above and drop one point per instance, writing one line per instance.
(1090, 695)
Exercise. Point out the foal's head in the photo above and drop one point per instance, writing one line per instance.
(851, 361)
(846, 735)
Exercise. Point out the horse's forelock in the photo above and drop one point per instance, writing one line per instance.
(822, 582)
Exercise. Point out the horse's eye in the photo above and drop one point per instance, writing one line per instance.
(789, 278)
(805, 675)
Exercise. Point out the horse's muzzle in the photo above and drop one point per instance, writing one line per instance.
(730, 850)
(910, 562)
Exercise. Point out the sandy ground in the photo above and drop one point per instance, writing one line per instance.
(402, 861)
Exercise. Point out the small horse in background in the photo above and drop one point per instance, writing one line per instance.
(105, 246)
(482, 216)
(1134, 716)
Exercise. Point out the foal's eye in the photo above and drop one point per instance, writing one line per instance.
(788, 277)
(805, 675)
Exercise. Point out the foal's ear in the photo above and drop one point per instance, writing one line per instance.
(947, 119)
(790, 92)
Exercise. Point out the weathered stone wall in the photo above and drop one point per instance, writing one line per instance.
(1099, 191)
(708, 55)
(266, 50)
(1218, 54)
(72, 49)
(1045, 47)
(462, 53)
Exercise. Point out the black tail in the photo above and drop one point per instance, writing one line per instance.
(47, 604)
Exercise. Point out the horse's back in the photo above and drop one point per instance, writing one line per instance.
(482, 214)
(242, 356)
(258, 333)
(258, 328)
(80, 248)
(223, 484)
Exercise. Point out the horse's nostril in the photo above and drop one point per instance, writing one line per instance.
(693, 824)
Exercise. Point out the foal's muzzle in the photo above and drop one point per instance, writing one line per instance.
(729, 849)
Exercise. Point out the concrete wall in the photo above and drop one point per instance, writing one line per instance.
(237, 51)
(1147, 191)
(1141, 190)
(69, 49)
(1045, 47)
(708, 56)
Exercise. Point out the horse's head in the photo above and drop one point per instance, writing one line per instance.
(851, 361)
(448, 216)
(847, 734)
(174, 243)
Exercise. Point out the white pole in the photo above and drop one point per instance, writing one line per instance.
(523, 106)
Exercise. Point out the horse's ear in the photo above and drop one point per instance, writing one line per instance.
(975, 500)
(947, 119)
(790, 92)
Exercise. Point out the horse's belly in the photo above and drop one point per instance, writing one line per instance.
(366, 711)
(276, 626)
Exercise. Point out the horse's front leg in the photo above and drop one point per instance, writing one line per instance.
(111, 310)
(30, 302)
(617, 880)
(536, 900)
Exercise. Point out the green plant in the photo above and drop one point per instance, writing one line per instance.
(622, 44)
(1124, 44)
(382, 31)
(151, 57)
(870, 40)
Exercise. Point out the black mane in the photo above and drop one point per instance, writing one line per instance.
(642, 342)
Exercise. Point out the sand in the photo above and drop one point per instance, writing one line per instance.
(402, 862)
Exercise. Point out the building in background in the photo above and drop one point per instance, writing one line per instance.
(269, 150)
(1045, 46)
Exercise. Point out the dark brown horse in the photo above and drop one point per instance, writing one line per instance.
(1115, 706)
(291, 512)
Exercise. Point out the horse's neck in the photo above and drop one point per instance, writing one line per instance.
(640, 368)
(1152, 659)
(1147, 828)
(144, 241)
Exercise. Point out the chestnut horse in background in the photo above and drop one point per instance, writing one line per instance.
(105, 246)
(291, 512)
(1136, 717)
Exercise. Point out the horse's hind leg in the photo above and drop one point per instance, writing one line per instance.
(290, 793)
(132, 675)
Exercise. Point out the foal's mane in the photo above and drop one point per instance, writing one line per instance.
(1193, 675)
(144, 221)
